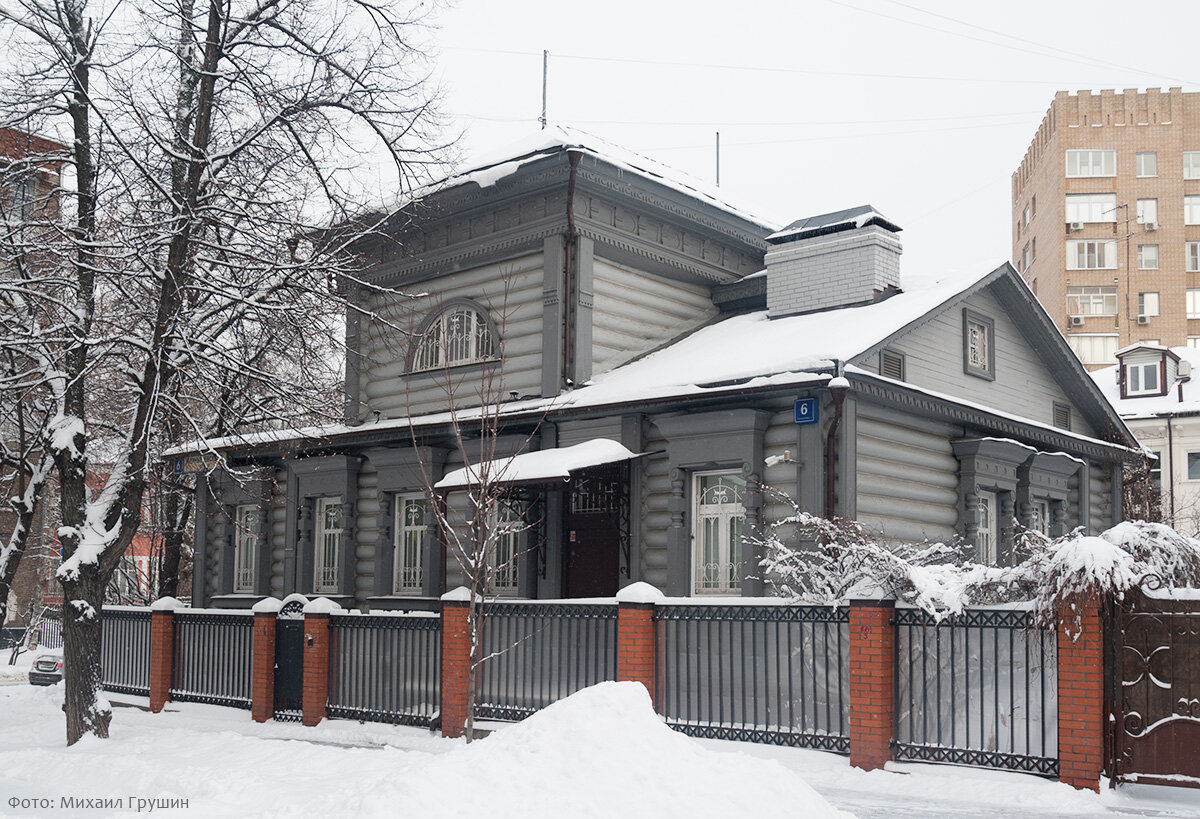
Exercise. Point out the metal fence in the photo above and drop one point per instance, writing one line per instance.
(772, 674)
(542, 653)
(50, 629)
(125, 650)
(977, 689)
(385, 668)
(212, 657)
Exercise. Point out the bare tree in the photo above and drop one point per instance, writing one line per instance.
(207, 142)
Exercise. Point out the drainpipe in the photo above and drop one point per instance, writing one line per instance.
(838, 387)
(1171, 470)
(568, 312)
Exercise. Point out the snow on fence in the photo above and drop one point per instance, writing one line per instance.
(772, 674)
(125, 650)
(385, 668)
(977, 689)
(212, 657)
(541, 653)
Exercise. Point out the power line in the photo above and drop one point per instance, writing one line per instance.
(829, 137)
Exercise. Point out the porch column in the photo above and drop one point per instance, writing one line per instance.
(262, 659)
(636, 643)
(162, 650)
(1081, 693)
(872, 682)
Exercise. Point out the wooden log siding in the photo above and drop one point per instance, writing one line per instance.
(655, 517)
(385, 347)
(1101, 506)
(366, 532)
(636, 312)
(277, 527)
(779, 436)
(576, 432)
(907, 477)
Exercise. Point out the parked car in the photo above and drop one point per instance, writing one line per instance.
(47, 668)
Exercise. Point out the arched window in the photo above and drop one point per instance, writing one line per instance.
(459, 334)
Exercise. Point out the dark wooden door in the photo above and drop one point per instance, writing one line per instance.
(593, 556)
(1156, 731)
(289, 663)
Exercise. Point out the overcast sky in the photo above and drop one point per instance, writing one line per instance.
(921, 108)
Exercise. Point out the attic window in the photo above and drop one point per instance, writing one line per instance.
(891, 365)
(979, 348)
(458, 334)
(1062, 416)
(1143, 379)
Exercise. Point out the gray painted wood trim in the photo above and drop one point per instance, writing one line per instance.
(200, 544)
(970, 316)
(553, 260)
(440, 309)
(229, 492)
(633, 439)
(352, 413)
(583, 296)
(405, 471)
(846, 497)
(310, 478)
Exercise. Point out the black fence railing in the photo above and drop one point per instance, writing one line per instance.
(770, 674)
(50, 629)
(125, 650)
(385, 668)
(977, 689)
(212, 657)
(539, 653)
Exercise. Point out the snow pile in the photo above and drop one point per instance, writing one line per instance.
(601, 752)
(543, 465)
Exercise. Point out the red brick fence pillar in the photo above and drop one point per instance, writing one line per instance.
(316, 660)
(162, 650)
(636, 635)
(456, 660)
(262, 659)
(1081, 693)
(872, 682)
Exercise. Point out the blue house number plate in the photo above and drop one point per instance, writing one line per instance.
(806, 410)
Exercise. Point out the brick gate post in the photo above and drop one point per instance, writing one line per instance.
(1081, 693)
(162, 650)
(872, 682)
(315, 698)
(456, 660)
(636, 636)
(262, 659)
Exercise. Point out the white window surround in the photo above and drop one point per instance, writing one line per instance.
(1148, 304)
(245, 544)
(1147, 257)
(1193, 466)
(409, 528)
(1081, 163)
(1147, 211)
(1091, 208)
(1191, 164)
(1192, 256)
(1098, 300)
(327, 544)
(1193, 304)
(1191, 210)
(1092, 254)
(459, 334)
(1142, 379)
(718, 515)
(989, 528)
(1094, 348)
(1147, 163)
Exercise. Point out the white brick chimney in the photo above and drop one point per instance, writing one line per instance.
(833, 260)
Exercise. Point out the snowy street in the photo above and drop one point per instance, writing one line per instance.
(562, 762)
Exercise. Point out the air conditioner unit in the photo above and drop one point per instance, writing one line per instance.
(1076, 321)
(1152, 226)
(1143, 319)
(1076, 226)
(1183, 370)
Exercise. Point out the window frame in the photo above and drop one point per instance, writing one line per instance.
(1192, 302)
(1136, 372)
(987, 372)
(1104, 155)
(726, 549)
(321, 534)
(1104, 295)
(1191, 210)
(482, 326)
(1191, 164)
(1138, 164)
(1143, 307)
(1105, 249)
(247, 522)
(401, 530)
(1112, 339)
(505, 518)
(1191, 257)
(1105, 211)
(988, 504)
(1142, 207)
(1193, 456)
(1141, 257)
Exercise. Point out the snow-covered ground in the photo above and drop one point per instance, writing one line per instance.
(17, 673)
(601, 753)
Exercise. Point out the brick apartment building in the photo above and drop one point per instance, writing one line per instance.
(1106, 219)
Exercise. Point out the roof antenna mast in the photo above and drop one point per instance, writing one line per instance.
(545, 73)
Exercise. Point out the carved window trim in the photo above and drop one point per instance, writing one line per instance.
(482, 340)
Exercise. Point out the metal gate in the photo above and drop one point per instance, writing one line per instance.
(1154, 689)
(289, 662)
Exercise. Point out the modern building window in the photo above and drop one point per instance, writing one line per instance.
(1193, 257)
(1147, 163)
(1193, 304)
(1148, 304)
(458, 335)
(1091, 163)
(1027, 214)
(718, 514)
(1193, 342)
(1191, 210)
(1062, 416)
(504, 554)
(245, 544)
(1026, 256)
(1142, 379)
(409, 528)
(979, 347)
(1091, 207)
(1147, 257)
(327, 545)
(989, 528)
(1094, 348)
(1193, 466)
(1099, 300)
(1191, 164)
(1147, 211)
(1089, 254)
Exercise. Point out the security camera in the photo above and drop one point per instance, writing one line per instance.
(775, 460)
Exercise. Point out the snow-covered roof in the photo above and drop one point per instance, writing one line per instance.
(833, 222)
(487, 169)
(1150, 406)
(539, 467)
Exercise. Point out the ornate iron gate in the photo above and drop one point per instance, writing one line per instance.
(1155, 690)
(289, 661)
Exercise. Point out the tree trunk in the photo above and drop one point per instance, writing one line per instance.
(87, 710)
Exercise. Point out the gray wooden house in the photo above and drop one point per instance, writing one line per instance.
(653, 350)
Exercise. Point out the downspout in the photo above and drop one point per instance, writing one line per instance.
(568, 312)
(1171, 468)
(838, 387)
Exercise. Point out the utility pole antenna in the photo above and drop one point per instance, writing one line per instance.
(545, 75)
(718, 159)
